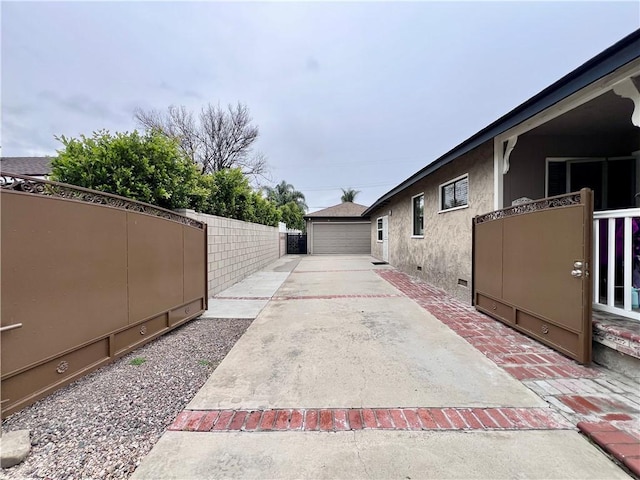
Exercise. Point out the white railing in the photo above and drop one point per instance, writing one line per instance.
(620, 225)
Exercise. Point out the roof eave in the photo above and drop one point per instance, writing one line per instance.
(606, 62)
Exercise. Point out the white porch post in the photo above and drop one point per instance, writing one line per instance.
(627, 263)
(498, 176)
(611, 263)
(612, 217)
(595, 261)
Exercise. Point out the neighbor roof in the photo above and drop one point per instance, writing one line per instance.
(345, 209)
(34, 166)
(614, 57)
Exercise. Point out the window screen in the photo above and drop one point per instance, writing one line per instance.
(455, 194)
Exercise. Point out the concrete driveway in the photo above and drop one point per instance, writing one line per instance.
(342, 376)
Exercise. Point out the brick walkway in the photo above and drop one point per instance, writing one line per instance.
(604, 406)
(311, 297)
(333, 420)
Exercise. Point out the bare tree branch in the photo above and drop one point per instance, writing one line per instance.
(219, 139)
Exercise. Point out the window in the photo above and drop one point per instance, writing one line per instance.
(417, 212)
(380, 229)
(455, 194)
(613, 180)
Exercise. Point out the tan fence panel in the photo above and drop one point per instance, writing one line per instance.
(64, 275)
(488, 262)
(156, 263)
(538, 260)
(195, 264)
(85, 278)
(525, 263)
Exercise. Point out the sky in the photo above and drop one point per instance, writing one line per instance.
(345, 94)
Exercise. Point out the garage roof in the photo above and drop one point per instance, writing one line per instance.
(344, 209)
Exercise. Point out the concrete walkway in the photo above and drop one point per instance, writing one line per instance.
(342, 375)
(247, 298)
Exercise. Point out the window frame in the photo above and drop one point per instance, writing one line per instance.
(379, 228)
(413, 216)
(445, 184)
(601, 196)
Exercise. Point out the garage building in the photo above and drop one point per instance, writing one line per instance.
(340, 229)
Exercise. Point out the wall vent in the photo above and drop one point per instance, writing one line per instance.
(462, 282)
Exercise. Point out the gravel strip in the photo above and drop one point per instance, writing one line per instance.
(102, 425)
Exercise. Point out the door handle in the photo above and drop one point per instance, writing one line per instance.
(10, 327)
(576, 273)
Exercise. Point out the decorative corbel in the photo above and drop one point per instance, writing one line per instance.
(511, 143)
(628, 89)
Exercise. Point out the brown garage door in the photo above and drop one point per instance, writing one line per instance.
(342, 238)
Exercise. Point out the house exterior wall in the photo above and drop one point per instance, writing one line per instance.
(526, 176)
(444, 254)
(236, 249)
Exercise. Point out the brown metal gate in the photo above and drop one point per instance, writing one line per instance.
(87, 277)
(531, 270)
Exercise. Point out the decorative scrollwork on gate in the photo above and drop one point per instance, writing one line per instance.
(36, 186)
(545, 204)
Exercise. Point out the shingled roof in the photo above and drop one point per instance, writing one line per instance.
(33, 166)
(345, 209)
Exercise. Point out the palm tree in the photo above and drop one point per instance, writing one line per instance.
(349, 194)
(284, 193)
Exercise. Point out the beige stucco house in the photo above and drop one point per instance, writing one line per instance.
(582, 131)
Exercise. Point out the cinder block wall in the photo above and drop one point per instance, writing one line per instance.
(236, 249)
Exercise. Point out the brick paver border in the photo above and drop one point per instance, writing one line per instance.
(241, 298)
(314, 297)
(342, 419)
(334, 271)
(337, 297)
(621, 445)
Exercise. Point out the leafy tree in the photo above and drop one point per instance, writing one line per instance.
(284, 193)
(265, 212)
(151, 168)
(216, 140)
(231, 196)
(147, 167)
(349, 195)
(203, 198)
(292, 215)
